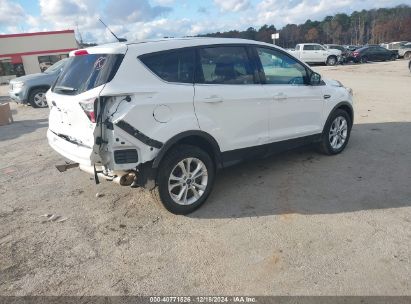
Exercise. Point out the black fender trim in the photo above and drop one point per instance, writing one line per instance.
(342, 103)
(213, 143)
(137, 134)
(349, 105)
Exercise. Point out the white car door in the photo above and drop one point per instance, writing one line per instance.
(319, 54)
(307, 53)
(296, 108)
(229, 103)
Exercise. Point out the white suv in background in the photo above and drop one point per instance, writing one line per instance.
(166, 114)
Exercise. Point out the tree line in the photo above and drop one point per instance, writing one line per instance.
(365, 27)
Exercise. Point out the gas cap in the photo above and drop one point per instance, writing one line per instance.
(162, 113)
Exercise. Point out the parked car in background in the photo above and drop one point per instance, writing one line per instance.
(373, 53)
(345, 53)
(316, 53)
(405, 51)
(394, 46)
(166, 114)
(32, 88)
(352, 47)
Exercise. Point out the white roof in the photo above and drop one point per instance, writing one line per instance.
(155, 45)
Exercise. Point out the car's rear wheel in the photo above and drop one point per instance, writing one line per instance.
(37, 98)
(407, 55)
(185, 179)
(332, 60)
(336, 133)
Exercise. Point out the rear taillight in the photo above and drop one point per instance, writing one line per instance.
(80, 53)
(90, 108)
(355, 54)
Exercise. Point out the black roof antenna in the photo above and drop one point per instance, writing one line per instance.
(119, 39)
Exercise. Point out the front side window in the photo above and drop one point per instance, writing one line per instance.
(224, 65)
(309, 47)
(58, 66)
(172, 66)
(279, 68)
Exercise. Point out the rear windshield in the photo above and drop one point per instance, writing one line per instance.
(83, 73)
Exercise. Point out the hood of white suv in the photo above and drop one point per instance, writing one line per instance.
(334, 52)
(332, 82)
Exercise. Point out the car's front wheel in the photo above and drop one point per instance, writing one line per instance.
(332, 60)
(37, 98)
(185, 179)
(336, 133)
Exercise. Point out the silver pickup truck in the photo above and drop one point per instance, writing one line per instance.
(32, 88)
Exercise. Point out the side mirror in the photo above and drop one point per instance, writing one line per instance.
(315, 79)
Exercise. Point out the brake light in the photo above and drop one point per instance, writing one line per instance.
(80, 53)
(356, 53)
(90, 108)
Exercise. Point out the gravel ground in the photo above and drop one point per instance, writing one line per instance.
(295, 224)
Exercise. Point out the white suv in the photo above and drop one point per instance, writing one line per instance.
(166, 114)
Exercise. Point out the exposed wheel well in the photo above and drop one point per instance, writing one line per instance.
(200, 142)
(199, 139)
(347, 109)
(38, 87)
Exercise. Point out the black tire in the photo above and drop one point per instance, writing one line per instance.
(161, 193)
(33, 98)
(393, 57)
(325, 146)
(407, 55)
(364, 59)
(331, 60)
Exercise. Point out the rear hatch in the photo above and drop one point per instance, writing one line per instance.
(74, 102)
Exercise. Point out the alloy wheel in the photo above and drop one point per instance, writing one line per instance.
(338, 132)
(40, 100)
(188, 180)
(331, 61)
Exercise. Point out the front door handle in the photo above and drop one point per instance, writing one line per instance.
(213, 99)
(280, 96)
(327, 96)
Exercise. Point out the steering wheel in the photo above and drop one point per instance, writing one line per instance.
(296, 80)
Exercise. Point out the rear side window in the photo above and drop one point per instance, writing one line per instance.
(172, 66)
(224, 65)
(83, 73)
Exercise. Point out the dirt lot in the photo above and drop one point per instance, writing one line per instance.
(294, 224)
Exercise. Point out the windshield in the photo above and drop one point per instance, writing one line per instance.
(57, 66)
(83, 73)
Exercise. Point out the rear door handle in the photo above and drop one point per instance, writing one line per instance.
(280, 96)
(213, 99)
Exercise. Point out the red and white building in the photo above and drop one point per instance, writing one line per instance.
(28, 53)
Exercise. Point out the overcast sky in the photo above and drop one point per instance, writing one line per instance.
(140, 19)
